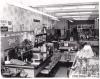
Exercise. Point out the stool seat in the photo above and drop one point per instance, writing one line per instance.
(47, 67)
(45, 71)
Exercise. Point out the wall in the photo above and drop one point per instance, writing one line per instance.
(62, 24)
(47, 21)
(23, 19)
(76, 22)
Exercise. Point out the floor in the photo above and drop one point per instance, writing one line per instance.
(63, 70)
(60, 70)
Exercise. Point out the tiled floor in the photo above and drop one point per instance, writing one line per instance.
(62, 72)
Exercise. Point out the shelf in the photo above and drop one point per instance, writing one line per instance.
(13, 34)
(39, 44)
(41, 34)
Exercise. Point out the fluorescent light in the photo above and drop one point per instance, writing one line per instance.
(49, 9)
(84, 18)
(78, 13)
(73, 16)
(81, 18)
(73, 7)
(33, 10)
(80, 7)
(86, 7)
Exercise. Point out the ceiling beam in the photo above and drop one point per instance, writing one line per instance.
(73, 10)
(66, 4)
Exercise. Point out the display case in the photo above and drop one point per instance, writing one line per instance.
(86, 68)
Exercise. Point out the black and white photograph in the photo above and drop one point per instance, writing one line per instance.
(49, 39)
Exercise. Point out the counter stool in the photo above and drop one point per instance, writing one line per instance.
(45, 73)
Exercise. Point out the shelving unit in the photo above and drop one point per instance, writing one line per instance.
(40, 39)
(41, 34)
(86, 32)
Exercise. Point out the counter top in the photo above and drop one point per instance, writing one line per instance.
(20, 66)
(93, 43)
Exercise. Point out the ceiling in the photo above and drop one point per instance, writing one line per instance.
(74, 10)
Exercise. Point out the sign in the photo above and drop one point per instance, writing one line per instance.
(36, 20)
(4, 28)
(6, 25)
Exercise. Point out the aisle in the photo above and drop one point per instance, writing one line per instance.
(63, 69)
(62, 72)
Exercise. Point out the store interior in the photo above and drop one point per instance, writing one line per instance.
(49, 38)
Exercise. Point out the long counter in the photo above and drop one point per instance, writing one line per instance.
(29, 70)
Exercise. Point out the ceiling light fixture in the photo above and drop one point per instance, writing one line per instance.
(73, 7)
(86, 7)
(58, 14)
(79, 7)
(75, 16)
(82, 18)
(56, 8)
